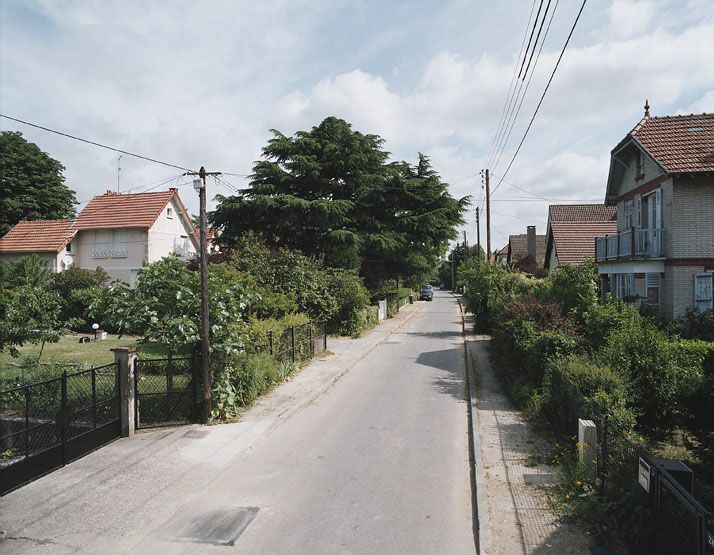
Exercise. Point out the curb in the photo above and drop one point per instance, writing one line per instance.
(482, 526)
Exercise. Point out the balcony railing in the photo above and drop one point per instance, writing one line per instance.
(632, 243)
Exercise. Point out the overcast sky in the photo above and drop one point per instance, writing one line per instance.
(197, 83)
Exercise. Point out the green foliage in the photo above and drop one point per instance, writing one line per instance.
(661, 373)
(30, 311)
(699, 325)
(78, 288)
(302, 279)
(600, 320)
(352, 299)
(164, 306)
(574, 286)
(330, 192)
(490, 287)
(31, 184)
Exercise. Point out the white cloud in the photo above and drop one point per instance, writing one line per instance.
(202, 83)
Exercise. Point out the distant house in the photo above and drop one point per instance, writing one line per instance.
(500, 256)
(117, 232)
(527, 245)
(662, 182)
(51, 240)
(572, 229)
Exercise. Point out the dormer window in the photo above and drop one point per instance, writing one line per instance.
(169, 213)
(639, 165)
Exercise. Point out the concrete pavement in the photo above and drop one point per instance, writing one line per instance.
(365, 451)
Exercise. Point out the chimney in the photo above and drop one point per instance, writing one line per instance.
(173, 189)
(531, 245)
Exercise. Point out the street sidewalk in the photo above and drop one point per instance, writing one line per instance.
(110, 500)
(514, 514)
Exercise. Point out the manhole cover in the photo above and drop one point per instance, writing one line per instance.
(217, 526)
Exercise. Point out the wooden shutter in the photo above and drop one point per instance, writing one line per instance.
(703, 291)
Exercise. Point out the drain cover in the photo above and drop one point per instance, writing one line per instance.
(217, 526)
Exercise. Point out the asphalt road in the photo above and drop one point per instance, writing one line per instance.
(364, 451)
(378, 464)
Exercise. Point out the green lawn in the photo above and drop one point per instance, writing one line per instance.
(69, 354)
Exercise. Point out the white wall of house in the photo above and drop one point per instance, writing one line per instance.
(553, 260)
(171, 233)
(117, 251)
(54, 261)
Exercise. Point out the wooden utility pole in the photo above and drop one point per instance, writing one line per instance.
(466, 249)
(478, 233)
(488, 218)
(200, 186)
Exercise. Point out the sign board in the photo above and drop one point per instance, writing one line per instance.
(643, 475)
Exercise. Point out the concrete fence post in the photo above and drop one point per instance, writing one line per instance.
(587, 447)
(125, 357)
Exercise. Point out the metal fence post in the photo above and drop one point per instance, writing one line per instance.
(63, 415)
(603, 465)
(312, 343)
(94, 398)
(270, 342)
(292, 339)
(126, 359)
(27, 422)
(324, 336)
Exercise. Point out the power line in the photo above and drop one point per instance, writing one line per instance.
(528, 84)
(542, 21)
(535, 22)
(540, 102)
(100, 145)
(511, 87)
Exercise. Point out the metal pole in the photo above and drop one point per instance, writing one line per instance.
(63, 413)
(453, 271)
(488, 218)
(205, 338)
(292, 340)
(466, 249)
(270, 342)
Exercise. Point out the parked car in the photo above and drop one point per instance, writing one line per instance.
(427, 293)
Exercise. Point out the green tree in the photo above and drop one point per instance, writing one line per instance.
(330, 192)
(30, 311)
(31, 184)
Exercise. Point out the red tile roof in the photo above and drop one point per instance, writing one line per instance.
(518, 245)
(38, 236)
(581, 213)
(681, 144)
(114, 210)
(575, 241)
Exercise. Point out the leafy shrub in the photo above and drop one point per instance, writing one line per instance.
(699, 325)
(662, 374)
(240, 379)
(574, 286)
(257, 332)
(78, 288)
(600, 320)
(352, 299)
(490, 287)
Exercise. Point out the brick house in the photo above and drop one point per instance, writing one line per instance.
(661, 180)
(526, 245)
(117, 232)
(572, 229)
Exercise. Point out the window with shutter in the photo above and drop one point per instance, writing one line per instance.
(704, 291)
(103, 241)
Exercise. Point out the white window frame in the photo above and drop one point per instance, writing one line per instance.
(703, 295)
(169, 213)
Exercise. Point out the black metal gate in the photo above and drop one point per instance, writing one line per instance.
(168, 391)
(681, 519)
(48, 424)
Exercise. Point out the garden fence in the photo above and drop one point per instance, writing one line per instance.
(669, 515)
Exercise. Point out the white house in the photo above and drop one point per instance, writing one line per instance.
(117, 232)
